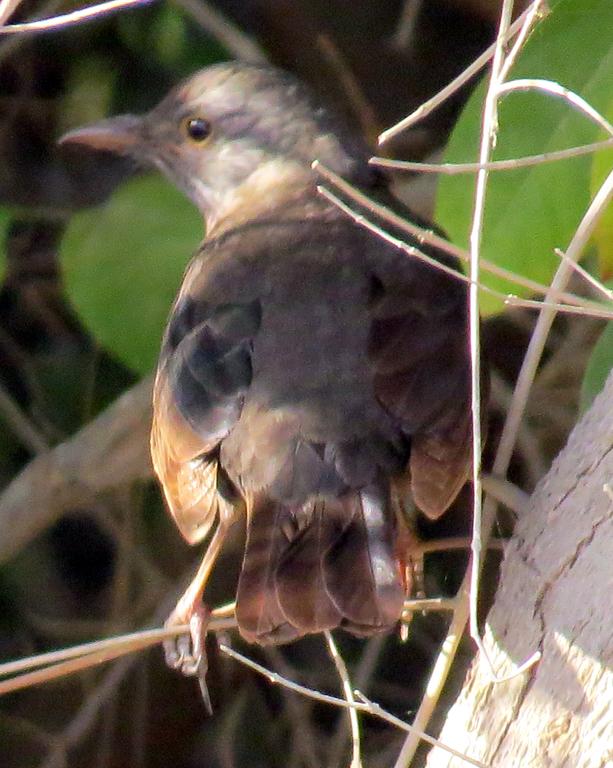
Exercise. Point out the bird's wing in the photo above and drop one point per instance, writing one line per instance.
(419, 348)
(204, 372)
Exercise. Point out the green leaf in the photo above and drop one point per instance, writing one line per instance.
(602, 165)
(123, 265)
(598, 368)
(531, 211)
(169, 35)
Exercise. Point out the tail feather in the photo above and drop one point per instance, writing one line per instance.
(258, 612)
(361, 571)
(324, 564)
(300, 577)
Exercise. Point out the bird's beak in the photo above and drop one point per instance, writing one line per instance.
(122, 135)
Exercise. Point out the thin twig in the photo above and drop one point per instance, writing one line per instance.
(409, 249)
(407, 23)
(555, 89)
(11, 43)
(429, 106)
(489, 130)
(72, 18)
(543, 326)
(19, 423)
(484, 518)
(362, 677)
(428, 604)
(218, 26)
(354, 722)
(7, 8)
(589, 279)
(512, 164)
(439, 673)
(361, 107)
(372, 709)
(88, 713)
(427, 236)
(505, 492)
(538, 10)
(592, 310)
(601, 313)
(76, 658)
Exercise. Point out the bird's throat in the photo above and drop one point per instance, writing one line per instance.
(272, 186)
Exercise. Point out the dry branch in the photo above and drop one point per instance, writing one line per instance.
(111, 451)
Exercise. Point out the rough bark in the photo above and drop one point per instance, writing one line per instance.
(555, 595)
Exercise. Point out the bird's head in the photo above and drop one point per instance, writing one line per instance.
(230, 134)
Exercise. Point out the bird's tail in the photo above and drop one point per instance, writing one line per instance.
(327, 563)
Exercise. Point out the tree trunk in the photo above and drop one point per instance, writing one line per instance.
(556, 596)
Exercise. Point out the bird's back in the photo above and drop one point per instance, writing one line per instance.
(310, 359)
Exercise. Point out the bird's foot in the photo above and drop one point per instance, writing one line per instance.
(187, 652)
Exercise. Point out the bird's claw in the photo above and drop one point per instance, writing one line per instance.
(187, 653)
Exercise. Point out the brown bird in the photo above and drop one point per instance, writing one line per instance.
(310, 372)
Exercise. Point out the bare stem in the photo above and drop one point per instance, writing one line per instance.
(512, 164)
(427, 236)
(372, 709)
(489, 131)
(79, 657)
(601, 313)
(354, 722)
(19, 422)
(429, 106)
(72, 18)
(233, 39)
(555, 89)
(7, 8)
(593, 282)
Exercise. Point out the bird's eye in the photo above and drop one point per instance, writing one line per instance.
(198, 129)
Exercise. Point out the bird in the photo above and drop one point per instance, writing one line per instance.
(311, 374)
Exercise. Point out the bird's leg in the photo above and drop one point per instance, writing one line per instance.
(187, 652)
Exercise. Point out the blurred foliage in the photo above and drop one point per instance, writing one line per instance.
(602, 166)
(122, 266)
(89, 92)
(533, 210)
